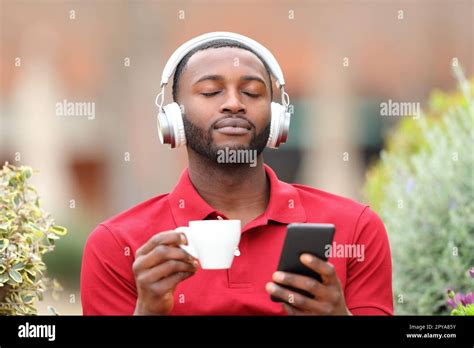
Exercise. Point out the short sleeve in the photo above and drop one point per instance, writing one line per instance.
(368, 288)
(107, 283)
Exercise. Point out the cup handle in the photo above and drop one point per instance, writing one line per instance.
(188, 248)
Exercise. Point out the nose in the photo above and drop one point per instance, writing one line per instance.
(233, 104)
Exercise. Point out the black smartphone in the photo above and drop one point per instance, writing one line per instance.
(315, 239)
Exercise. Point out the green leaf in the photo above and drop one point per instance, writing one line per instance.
(28, 299)
(12, 182)
(16, 200)
(4, 277)
(31, 271)
(27, 173)
(4, 226)
(59, 230)
(31, 227)
(3, 244)
(37, 235)
(29, 277)
(15, 275)
(53, 236)
(19, 266)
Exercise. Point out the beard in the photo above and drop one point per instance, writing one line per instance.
(201, 140)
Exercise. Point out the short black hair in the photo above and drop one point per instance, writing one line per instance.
(214, 44)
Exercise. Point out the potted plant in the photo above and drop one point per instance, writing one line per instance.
(27, 232)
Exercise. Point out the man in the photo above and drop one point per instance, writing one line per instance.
(132, 263)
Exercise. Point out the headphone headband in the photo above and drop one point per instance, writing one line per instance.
(170, 119)
(185, 48)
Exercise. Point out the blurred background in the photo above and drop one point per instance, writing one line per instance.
(341, 60)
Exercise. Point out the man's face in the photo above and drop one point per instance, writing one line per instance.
(226, 96)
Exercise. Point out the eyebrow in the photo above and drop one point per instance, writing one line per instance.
(221, 78)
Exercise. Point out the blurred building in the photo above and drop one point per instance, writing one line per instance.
(340, 59)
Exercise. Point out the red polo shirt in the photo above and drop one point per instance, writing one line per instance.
(108, 286)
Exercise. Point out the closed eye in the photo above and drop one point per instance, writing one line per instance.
(215, 93)
(209, 94)
(252, 95)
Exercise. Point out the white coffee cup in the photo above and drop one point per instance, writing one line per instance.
(212, 242)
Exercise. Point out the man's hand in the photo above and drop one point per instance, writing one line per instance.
(160, 264)
(329, 297)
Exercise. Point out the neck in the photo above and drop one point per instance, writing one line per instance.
(238, 191)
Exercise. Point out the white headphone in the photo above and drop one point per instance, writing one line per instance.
(170, 119)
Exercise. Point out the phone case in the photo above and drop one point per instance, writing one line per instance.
(303, 238)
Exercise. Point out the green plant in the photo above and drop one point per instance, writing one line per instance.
(27, 232)
(423, 189)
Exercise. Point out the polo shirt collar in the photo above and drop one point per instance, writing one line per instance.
(284, 205)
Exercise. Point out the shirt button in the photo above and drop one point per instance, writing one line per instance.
(237, 252)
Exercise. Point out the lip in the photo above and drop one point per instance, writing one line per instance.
(233, 130)
(233, 126)
(233, 122)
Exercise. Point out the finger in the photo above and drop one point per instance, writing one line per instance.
(302, 282)
(299, 303)
(167, 237)
(293, 310)
(324, 269)
(291, 297)
(165, 270)
(168, 284)
(159, 255)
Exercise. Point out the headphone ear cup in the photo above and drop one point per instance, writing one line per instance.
(163, 126)
(170, 126)
(276, 124)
